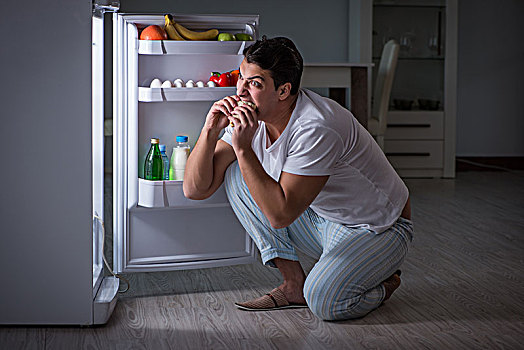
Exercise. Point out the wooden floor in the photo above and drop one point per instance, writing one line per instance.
(462, 288)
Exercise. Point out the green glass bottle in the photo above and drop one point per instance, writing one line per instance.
(153, 167)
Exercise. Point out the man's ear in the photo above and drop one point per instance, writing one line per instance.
(284, 91)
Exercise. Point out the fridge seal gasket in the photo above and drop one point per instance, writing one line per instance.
(132, 266)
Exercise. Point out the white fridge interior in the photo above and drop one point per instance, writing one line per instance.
(154, 226)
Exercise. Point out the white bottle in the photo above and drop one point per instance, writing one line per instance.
(179, 158)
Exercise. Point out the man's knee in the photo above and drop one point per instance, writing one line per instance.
(317, 301)
(330, 310)
(330, 307)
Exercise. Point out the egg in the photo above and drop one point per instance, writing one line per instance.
(167, 84)
(200, 83)
(211, 84)
(156, 83)
(190, 84)
(179, 83)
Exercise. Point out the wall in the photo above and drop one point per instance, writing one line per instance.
(490, 107)
(320, 30)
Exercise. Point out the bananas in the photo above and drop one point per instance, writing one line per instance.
(191, 35)
(169, 27)
(176, 31)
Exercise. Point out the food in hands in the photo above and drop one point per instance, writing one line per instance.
(156, 83)
(153, 32)
(170, 29)
(192, 35)
(246, 103)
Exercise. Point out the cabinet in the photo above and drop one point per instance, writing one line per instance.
(420, 135)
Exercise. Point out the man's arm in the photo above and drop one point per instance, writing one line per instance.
(206, 167)
(284, 201)
(207, 163)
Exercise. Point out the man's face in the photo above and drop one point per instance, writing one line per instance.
(256, 85)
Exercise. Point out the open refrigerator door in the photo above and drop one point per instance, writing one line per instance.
(105, 288)
(154, 226)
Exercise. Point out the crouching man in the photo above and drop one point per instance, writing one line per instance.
(301, 173)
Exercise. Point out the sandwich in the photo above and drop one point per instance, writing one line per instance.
(246, 103)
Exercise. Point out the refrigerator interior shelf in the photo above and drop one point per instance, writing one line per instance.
(169, 193)
(146, 94)
(175, 47)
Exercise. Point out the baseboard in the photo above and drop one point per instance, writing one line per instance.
(489, 163)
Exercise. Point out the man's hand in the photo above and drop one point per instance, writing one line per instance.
(217, 117)
(245, 121)
(210, 157)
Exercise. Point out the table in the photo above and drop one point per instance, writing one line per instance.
(338, 77)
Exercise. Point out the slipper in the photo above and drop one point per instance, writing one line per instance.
(274, 300)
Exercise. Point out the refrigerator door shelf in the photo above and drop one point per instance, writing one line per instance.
(185, 238)
(146, 94)
(105, 300)
(169, 193)
(175, 47)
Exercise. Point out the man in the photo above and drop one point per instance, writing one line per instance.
(307, 176)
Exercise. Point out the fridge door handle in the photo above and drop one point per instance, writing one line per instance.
(102, 6)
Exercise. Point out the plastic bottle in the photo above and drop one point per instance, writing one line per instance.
(179, 158)
(165, 163)
(153, 164)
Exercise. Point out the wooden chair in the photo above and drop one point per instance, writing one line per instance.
(386, 72)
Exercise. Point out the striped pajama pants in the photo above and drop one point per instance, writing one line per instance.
(352, 263)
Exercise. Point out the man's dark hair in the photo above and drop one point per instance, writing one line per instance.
(280, 57)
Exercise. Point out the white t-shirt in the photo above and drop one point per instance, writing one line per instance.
(323, 138)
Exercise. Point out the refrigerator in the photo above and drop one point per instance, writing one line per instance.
(52, 208)
(53, 216)
(155, 227)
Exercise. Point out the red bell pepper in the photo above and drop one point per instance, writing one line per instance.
(214, 77)
(224, 80)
